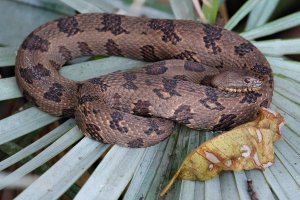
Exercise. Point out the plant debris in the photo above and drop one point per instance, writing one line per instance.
(248, 146)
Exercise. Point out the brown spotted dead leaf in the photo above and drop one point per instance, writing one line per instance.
(248, 146)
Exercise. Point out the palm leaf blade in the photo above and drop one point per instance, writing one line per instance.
(58, 146)
(241, 13)
(37, 145)
(261, 13)
(283, 23)
(22, 123)
(67, 170)
(7, 56)
(112, 174)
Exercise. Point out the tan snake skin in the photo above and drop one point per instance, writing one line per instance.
(137, 108)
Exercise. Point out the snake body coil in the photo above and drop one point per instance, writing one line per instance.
(136, 108)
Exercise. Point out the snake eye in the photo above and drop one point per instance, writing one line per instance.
(247, 80)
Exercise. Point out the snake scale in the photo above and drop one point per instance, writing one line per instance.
(204, 77)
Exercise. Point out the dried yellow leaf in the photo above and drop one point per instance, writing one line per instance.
(248, 146)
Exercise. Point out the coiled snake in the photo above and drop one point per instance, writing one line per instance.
(206, 78)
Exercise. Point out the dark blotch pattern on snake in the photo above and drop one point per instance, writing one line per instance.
(137, 108)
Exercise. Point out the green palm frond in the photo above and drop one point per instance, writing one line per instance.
(124, 173)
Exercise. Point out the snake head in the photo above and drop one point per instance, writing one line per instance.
(234, 82)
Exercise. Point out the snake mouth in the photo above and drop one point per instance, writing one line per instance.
(239, 90)
(231, 81)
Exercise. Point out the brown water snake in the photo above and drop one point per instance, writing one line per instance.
(136, 108)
